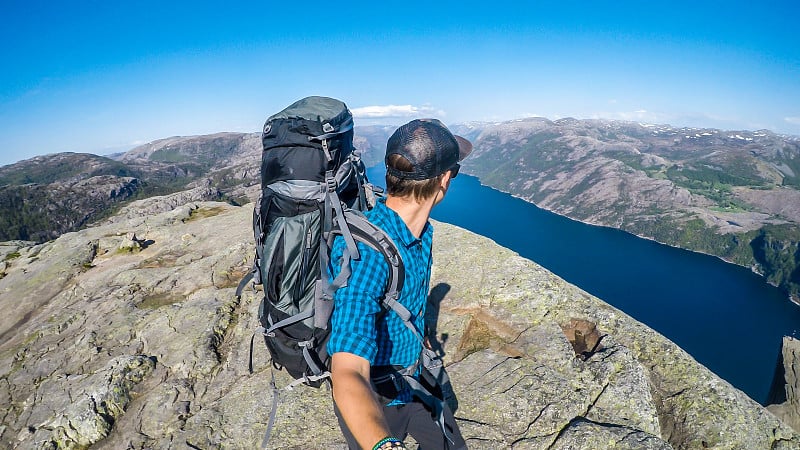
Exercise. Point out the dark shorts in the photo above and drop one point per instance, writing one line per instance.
(415, 420)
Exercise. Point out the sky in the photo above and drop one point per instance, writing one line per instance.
(105, 76)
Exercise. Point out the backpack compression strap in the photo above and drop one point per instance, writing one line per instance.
(326, 193)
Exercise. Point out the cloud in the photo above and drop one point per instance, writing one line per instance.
(792, 120)
(394, 111)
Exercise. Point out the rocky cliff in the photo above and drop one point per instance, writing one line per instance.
(44, 197)
(785, 393)
(128, 335)
(733, 194)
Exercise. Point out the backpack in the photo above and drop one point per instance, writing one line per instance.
(313, 188)
(313, 185)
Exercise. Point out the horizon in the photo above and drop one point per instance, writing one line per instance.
(104, 78)
(124, 149)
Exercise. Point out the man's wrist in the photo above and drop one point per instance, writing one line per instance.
(389, 443)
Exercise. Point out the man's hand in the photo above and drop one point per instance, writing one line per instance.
(353, 396)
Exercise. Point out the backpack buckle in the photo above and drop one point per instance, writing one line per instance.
(330, 181)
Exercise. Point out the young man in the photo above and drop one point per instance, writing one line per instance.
(422, 157)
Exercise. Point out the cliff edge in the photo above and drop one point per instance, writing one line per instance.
(128, 335)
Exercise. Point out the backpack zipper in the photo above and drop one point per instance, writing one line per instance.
(304, 265)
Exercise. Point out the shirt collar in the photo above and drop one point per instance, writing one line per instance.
(399, 227)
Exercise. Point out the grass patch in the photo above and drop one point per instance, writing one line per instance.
(156, 301)
(11, 256)
(202, 213)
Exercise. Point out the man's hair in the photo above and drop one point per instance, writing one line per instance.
(417, 189)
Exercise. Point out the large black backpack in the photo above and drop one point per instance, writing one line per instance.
(313, 189)
(313, 185)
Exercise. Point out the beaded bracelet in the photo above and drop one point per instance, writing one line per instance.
(389, 443)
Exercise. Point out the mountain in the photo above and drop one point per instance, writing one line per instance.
(44, 197)
(128, 334)
(733, 194)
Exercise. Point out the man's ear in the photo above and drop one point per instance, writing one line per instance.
(445, 181)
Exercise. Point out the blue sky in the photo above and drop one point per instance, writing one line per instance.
(103, 76)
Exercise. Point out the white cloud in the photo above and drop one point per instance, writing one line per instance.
(792, 120)
(389, 111)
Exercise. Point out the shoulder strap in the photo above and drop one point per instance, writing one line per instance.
(371, 235)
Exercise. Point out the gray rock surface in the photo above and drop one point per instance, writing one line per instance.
(109, 345)
(788, 384)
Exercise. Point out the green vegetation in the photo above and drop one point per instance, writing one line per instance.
(158, 300)
(793, 163)
(774, 248)
(169, 155)
(24, 214)
(63, 167)
(712, 184)
(631, 160)
(713, 167)
(777, 250)
(201, 213)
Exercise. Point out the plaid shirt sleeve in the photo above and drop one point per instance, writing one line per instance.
(357, 304)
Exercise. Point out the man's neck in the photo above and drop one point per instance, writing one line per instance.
(415, 214)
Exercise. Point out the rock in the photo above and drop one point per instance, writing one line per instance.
(583, 336)
(94, 402)
(149, 350)
(785, 393)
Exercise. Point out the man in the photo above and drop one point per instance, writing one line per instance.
(422, 157)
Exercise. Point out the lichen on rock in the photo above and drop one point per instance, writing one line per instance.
(150, 349)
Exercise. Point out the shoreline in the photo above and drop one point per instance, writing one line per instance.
(793, 299)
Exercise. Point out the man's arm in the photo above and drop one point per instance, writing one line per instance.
(353, 396)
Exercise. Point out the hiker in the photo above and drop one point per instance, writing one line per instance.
(375, 405)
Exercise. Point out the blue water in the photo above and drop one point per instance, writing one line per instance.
(725, 316)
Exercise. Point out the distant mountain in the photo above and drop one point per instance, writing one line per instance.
(733, 194)
(44, 197)
(371, 142)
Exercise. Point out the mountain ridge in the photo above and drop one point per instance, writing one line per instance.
(731, 194)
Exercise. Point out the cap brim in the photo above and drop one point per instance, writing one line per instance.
(464, 147)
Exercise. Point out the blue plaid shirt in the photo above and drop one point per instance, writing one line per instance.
(358, 324)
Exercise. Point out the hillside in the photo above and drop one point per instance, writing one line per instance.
(106, 343)
(44, 197)
(730, 194)
(733, 194)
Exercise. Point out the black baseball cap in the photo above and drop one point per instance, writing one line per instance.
(430, 148)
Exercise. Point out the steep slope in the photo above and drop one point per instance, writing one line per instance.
(109, 342)
(46, 196)
(730, 194)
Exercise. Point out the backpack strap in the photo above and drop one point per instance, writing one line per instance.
(259, 234)
(377, 239)
(329, 132)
